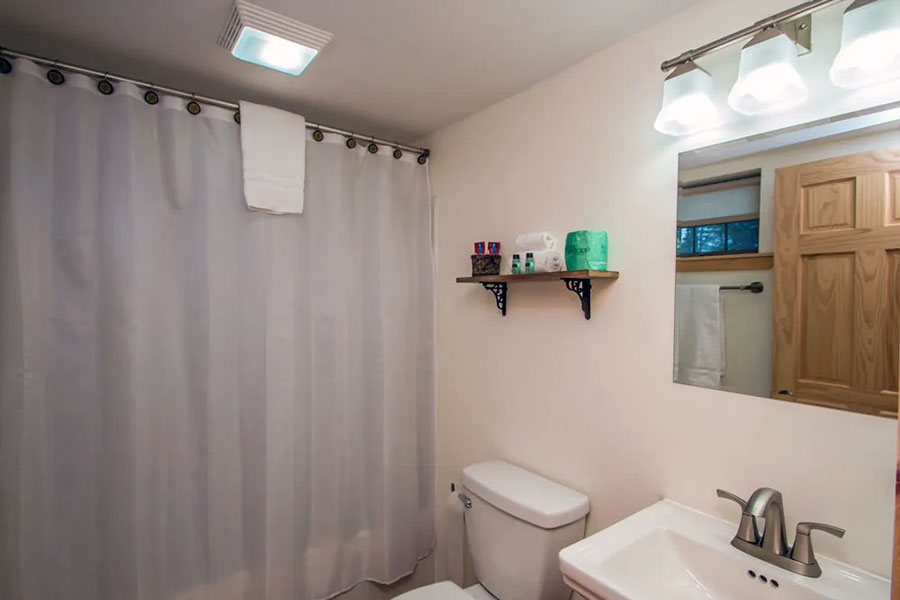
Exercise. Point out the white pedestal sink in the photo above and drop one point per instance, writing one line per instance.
(672, 552)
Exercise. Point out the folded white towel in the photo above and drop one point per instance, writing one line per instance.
(273, 144)
(539, 240)
(699, 335)
(545, 261)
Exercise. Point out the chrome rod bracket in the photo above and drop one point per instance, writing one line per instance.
(800, 32)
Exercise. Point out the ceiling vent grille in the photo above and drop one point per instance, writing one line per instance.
(250, 27)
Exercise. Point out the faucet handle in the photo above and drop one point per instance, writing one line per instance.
(747, 530)
(805, 528)
(803, 550)
(733, 497)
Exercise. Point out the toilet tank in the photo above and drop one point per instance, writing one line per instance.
(516, 526)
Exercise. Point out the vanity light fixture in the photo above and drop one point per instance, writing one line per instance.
(870, 44)
(266, 38)
(768, 80)
(687, 104)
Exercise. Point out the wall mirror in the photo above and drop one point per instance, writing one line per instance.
(788, 265)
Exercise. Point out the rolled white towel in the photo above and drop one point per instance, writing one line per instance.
(539, 240)
(546, 261)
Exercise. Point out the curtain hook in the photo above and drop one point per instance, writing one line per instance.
(105, 86)
(193, 106)
(54, 75)
(5, 65)
(150, 96)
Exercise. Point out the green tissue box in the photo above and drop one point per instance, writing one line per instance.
(586, 250)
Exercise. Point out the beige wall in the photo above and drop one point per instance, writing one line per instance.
(592, 404)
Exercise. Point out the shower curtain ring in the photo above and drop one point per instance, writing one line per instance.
(398, 153)
(105, 86)
(55, 76)
(372, 147)
(193, 107)
(351, 141)
(5, 65)
(150, 96)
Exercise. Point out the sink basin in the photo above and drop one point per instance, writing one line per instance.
(672, 552)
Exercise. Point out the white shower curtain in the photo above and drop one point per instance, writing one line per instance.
(198, 401)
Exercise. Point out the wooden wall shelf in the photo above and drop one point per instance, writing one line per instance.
(761, 261)
(578, 282)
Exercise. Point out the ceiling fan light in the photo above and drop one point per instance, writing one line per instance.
(870, 44)
(768, 80)
(267, 50)
(687, 103)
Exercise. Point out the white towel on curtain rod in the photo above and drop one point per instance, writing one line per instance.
(273, 152)
(199, 401)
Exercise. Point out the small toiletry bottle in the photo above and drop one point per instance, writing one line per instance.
(529, 262)
(516, 265)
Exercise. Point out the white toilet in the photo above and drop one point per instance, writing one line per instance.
(516, 525)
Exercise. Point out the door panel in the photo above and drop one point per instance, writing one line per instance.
(837, 276)
(830, 205)
(871, 202)
(825, 354)
(869, 314)
(893, 212)
(891, 339)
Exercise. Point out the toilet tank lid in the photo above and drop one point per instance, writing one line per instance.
(524, 494)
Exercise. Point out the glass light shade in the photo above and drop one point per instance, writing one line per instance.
(870, 45)
(768, 80)
(267, 50)
(687, 104)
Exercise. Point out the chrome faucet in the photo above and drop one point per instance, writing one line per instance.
(767, 503)
(772, 546)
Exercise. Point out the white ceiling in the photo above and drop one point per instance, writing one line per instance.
(395, 68)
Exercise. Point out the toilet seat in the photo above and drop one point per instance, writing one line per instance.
(446, 590)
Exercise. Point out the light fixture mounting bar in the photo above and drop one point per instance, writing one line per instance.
(771, 21)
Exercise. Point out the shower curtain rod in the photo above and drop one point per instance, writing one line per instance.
(47, 62)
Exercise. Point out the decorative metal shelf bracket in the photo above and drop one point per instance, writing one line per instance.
(582, 287)
(499, 291)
